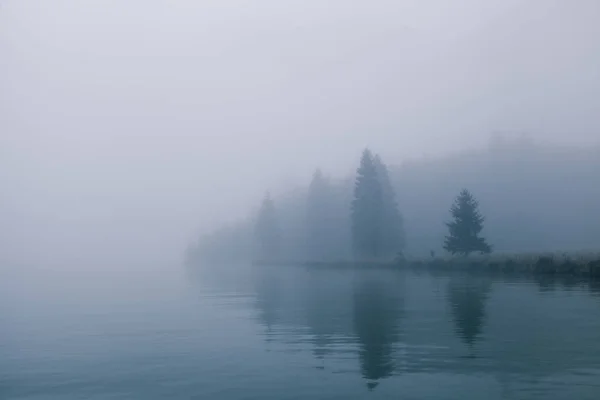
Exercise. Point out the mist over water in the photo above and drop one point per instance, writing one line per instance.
(138, 139)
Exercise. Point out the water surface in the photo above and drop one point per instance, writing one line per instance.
(294, 333)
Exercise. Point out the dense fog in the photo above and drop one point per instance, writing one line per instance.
(129, 130)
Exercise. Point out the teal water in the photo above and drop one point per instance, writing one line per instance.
(292, 333)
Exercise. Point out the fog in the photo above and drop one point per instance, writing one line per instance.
(129, 127)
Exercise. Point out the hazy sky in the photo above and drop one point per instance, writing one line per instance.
(126, 126)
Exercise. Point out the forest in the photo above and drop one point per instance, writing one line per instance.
(527, 198)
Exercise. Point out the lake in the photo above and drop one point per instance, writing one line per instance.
(224, 332)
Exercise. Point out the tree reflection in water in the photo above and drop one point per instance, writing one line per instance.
(377, 310)
(467, 298)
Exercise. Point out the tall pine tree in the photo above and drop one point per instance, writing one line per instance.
(367, 211)
(267, 232)
(393, 240)
(464, 230)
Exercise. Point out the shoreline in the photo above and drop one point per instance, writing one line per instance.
(585, 265)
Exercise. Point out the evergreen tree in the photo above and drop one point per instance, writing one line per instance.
(319, 218)
(367, 210)
(393, 240)
(464, 230)
(267, 232)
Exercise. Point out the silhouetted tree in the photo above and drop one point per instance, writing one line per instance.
(393, 238)
(267, 232)
(464, 230)
(367, 210)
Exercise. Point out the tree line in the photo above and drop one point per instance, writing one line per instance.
(536, 198)
(376, 225)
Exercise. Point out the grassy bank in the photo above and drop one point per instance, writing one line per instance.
(576, 264)
(579, 264)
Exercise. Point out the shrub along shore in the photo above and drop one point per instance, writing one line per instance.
(581, 265)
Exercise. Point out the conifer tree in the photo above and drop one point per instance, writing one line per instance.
(367, 210)
(464, 230)
(393, 240)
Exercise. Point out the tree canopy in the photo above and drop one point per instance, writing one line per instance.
(464, 229)
(377, 226)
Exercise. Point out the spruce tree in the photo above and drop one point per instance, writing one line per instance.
(367, 210)
(267, 233)
(464, 230)
(393, 224)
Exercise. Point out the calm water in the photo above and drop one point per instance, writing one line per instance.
(290, 333)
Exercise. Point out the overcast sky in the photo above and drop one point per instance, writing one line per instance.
(131, 124)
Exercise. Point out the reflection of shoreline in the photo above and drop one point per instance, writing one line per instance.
(399, 322)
